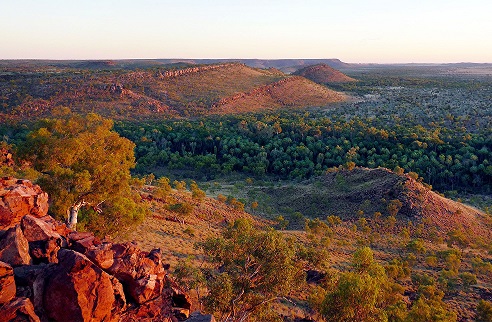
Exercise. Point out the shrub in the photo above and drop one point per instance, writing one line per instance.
(484, 311)
(182, 208)
(416, 245)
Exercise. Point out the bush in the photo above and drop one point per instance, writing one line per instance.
(196, 192)
(468, 279)
(484, 311)
(182, 208)
(417, 246)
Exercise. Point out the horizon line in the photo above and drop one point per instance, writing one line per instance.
(232, 59)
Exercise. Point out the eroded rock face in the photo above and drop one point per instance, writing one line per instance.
(78, 290)
(19, 198)
(19, 309)
(7, 283)
(14, 248)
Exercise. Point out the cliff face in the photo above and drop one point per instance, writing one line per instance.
(49, 272)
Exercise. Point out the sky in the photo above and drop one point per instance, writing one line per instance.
(355, 31)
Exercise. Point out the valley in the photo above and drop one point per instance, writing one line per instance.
(359, 174)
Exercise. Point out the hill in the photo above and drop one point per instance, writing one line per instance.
(362, 192)
(163, 229)
(28, 90)
(342, 193)
(288, 92)
(322, 73)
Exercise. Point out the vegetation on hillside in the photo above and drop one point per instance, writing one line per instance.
(370, 262)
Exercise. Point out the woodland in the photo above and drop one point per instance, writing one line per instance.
(430, 130)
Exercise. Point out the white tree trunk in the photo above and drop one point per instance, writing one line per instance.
(73, 213)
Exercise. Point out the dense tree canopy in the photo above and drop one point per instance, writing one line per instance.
(445, 155)
(84, 164)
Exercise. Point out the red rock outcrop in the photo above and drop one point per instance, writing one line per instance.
(194, 70)
(14, 248)
(7, 283)
(19, 198)
(76, 276)
(78, 290)
(19, 309)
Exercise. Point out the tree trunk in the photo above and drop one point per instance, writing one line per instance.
(73, 213)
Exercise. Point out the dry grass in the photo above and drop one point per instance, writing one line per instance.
(209, 216)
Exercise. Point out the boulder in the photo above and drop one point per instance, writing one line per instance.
(19, 198)
(78, 290)
(82, 241)
(19, 309)
(102, 256)
(158, 309)
(142, 274)
(14, 248)
(45, 251)
(37, 229)
(7, 283)
(44, 240)
(28, 279)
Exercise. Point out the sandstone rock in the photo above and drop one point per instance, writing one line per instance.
(78, 290)
(145, 289)
(14, 248)
(45, 251)
(19, 198)
(141, 273)
(25, 280)
(181, 313)
(7, 283)
(19, 309)
(82, 241)
(102, 256)
(37, 229)
(158, 309)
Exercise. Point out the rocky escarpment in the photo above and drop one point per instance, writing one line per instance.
(51, 273)
(197, 69)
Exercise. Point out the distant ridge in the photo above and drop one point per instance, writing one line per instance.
(285, 65)
(322, 73)
(175, 89)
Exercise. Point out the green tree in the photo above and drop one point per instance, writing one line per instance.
(84, 164)
(364, 294)
(256, 268)
(196, 192)
(430, 307)
(163, 188)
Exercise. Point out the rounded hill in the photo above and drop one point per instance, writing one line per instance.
(363, 192)
(322, 73)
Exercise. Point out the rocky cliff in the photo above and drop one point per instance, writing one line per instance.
(51, 273)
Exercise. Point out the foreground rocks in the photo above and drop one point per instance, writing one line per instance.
(50, 273)
(19, 198)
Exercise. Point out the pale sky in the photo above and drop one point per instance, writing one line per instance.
(378, 31)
